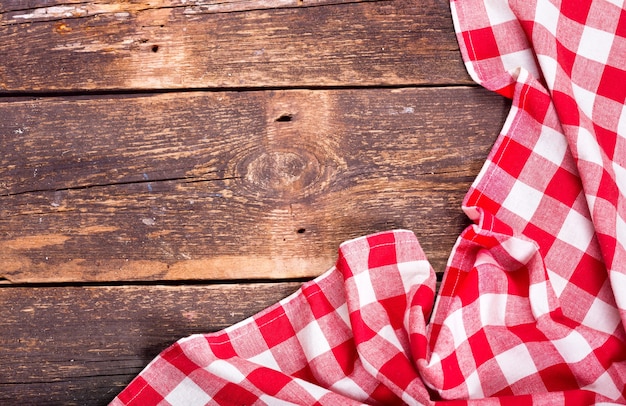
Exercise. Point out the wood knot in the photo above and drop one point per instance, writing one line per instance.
(282, 173)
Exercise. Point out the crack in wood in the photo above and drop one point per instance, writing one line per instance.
(27, 96)
(448, 172)
(66, 11)
(76, 377)
(165, 283)
(185, 179)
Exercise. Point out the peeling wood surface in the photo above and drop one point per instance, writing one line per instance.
(398, 43)
(83, 345)
(231, 185)
(175, 151)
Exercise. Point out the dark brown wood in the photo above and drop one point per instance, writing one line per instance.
(47, 46)
(232, 185)
(102, 183)
(82, 345)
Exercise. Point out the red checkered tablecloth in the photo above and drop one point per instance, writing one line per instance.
(533, 302)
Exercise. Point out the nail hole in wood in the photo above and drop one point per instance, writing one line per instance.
(155, 48)
(301, 230)
(285, 118)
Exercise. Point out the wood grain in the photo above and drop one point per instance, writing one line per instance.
(83, 345)
(69, 47)
(232, 185)
(173, 140)
(16, 11)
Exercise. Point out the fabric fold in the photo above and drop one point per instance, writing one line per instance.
(340, 339)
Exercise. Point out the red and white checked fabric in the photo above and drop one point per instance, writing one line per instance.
(532, 307)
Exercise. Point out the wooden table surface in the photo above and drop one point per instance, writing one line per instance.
(170, 167)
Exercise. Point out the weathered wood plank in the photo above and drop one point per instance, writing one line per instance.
(17, 11)
(232, 185)
(82, 345)
(140, 45)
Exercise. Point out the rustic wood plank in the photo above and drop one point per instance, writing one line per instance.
(82, 345)
(16, 11)
(399, 42)
(232, 185)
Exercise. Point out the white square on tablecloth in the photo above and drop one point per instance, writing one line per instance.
(492, 309)
(523, 200)
(595, 44)
(226, 370)
(577, 230)
(573, 347)
(313, 340)
(547, 15)
(188, 393)
(516, 364)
